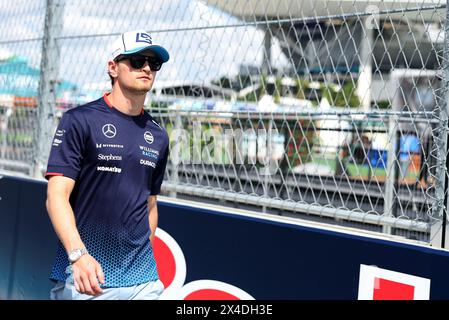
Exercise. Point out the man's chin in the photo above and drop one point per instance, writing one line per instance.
(142, 89)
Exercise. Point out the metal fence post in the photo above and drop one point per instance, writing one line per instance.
(48, 85)
(266, 62)
(438, 229)
(4, 134)
(391, 170)
(177, 153)
(364, 82)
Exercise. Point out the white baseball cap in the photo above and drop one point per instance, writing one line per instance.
(136, 41)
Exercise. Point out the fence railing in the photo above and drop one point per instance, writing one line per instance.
(325, 110)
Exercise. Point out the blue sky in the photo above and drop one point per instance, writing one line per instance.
(90, 26)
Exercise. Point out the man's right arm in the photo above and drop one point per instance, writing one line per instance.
(61, 213)
(86, 270)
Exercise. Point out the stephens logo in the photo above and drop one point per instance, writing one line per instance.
(109, 157)
(109, 130)
(148, 136)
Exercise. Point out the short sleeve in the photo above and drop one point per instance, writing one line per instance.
(158, 174)
(67, 148)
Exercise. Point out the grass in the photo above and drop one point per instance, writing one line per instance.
(360, 171)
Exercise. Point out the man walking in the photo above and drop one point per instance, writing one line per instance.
(105, 170)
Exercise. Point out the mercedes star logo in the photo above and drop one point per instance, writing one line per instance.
(109, 130)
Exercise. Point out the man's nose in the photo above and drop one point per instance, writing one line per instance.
(146, 66)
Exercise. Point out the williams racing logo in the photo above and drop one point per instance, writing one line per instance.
(149, 153)
(148, 136)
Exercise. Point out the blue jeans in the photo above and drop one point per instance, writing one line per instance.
(145, 291)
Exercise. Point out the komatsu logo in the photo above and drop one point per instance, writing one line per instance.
(110, 169)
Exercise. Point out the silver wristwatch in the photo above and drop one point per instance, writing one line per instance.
(75, 254)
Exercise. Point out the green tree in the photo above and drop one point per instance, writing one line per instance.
(346, 97)
(301, 85)
(384, 104)
(223, 82)
(277, 90)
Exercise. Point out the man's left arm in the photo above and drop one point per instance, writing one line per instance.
(153, 215)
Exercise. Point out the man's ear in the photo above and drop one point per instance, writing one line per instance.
(112, 68)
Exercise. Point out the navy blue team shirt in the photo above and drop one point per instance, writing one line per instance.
(117, 162)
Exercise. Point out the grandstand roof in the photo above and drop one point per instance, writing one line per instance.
(264, 9)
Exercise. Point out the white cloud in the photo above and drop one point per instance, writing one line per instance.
(197, 55)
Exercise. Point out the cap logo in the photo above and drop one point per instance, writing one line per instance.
(143, 37)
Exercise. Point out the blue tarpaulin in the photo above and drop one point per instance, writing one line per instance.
(19, 79)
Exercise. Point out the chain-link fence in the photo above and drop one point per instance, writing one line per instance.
(326, 110)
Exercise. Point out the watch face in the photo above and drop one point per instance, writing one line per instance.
(74, 255)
